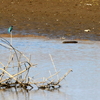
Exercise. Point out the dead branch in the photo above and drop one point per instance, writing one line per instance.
(22, 79)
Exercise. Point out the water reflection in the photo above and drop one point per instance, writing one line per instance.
(12, 94)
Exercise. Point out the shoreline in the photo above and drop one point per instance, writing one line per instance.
(19, 36)
(42, 37)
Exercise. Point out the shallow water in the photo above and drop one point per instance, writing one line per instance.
(83, 58)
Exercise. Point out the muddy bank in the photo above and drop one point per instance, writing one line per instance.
(53, 18)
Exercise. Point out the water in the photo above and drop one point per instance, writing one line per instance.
(83, 58)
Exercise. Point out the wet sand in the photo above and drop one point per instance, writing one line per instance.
(53, 18)
(22, 35)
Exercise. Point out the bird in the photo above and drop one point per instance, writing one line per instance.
(10, 29)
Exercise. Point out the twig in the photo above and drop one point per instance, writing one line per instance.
(64, 76)
(53, 65)
(11, 37)
(44, 80)
(12, 75)
(9, 75)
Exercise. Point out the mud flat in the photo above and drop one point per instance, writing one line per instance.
(53, 18)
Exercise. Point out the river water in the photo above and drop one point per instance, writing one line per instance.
(83, 58)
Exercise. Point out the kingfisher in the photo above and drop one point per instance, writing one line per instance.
(10, 29)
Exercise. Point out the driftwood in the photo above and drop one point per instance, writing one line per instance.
(70, 41)
(20, 80)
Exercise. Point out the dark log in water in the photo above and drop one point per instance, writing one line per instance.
(70, 42)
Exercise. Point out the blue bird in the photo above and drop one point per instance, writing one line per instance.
(10, 29)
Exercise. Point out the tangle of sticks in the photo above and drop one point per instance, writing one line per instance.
(20, 77)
